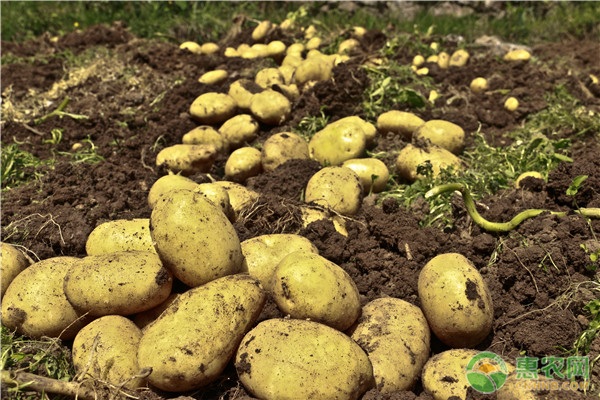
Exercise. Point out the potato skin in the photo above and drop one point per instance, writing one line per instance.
(337, 188)
(410, 157)
(270, 107)
(239, 130)
(121, 283)
(337, 143)
(166, 183)
(243, 163)
(399, 122)
(12, 262)
(194, 238)
(192, 341)
(213, 108)
(187, 159)
(282, 147)
(442, 133)
(444, 374)
(395, 336)
(35, 304)
(283, 359)
(373, 173)
(455, 300)
(106, 349)
(120, 235)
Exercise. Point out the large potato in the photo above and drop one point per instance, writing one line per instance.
(282, 147)
(35, 304)
(455, 300)
(442, 133)
(120, 235)
(373, 173)
(166, 184)
(217, 195)
(243, 163)
(337, 143)
(263, 253)
(207, 135)
(12, 262)
(270, 107)
(411, 157)
(283, 359)
(399, 122)
(239, 130)
(337, 188)
(192, 341)
(187, 158)
(395, 335)
(194, 238)
(212, 108)
(106, 350)
(145, 318)
(307, 285)
(121, 283)
(444, 375)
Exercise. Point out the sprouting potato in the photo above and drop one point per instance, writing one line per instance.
(213, 108)
(243, 163)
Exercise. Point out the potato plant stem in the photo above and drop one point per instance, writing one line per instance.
(501, 226)
(27, 381)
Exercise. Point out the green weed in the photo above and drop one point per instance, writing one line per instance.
(18, 166)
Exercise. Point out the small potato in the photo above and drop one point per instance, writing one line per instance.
(296, 48)
(187, 158)
(399, 122)
(167, 183)
(261, 30)
(209, 48)
(479, 85)
(193, 340)
(459, 58)
(314, 43)
(121, 283)
(337, 188)
(337, 143)
(106, 350)
(511, 104)
(239, 130)
(310, 32)
(443, 60)
(240, 197)
(12, 262)
(270, 107)
(263, 253)
(292, 60)
(455, 300)
(213, 108)
(395, 336)
(411, 157)
(282, 147)
(517, 55)
(35, 304)
(276, 49)
(192, 47)
(287, 72)
(442, 133)
(242, 91)
(444, 374)
(368, 128)
(348, 45)
(243, 163)
(373, 173)
(206, 135)
(260, 49)
(306, 285)
(313, 69)
(213, 77)
(268, 77)
(219, 196)
(120, 235)
(194, 238)
(298, 359)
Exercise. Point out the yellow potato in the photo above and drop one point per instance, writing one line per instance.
(296, 48)
(395, 336)
(120, 235)
(261, 30)
(219, 196)
(337, 188)
(242, 91)
(192, 341)
(243, 163)
(192, 47)
(399, 122)
(145, 318)
(35, 304)
(213, 77)
(298, 359)
(239, 130)
(517, 55)
(260, 49)
(348, 45)
(12, 262)
(314, 43)
(479, 85)
(337, 143)
(121, 283)
(213, 108)
(418, 60)
(442, 133)
(310, 32)
(209, 48)
(292, 60)
(194, 238)
(287, 72)
(187, 158)
(443, 60)
(268, 77)
(313, 69)
(368, 128)
(270, 107)
(282, 147)
(373, 173)
(166, 183)
(511, 104)
(306, 285)
(455, 300)
(240, 197)
(411, 157)
(444, 375)
(207, 135)
(106, 350)
(276, 49)
(459, 58)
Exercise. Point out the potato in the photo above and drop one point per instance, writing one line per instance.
(511, 104)
(298, 359)
(337, 143)
(270, 107)
(528, 174)
(243, 163)
(348, 45)
(145, 318)
(213, 77)
(120, 235)
(410, 157)
(192, 341)
(399, 122)
(276, 49)
(194, 238)
(313, 69)
(292, 60)
(395, 336)
(268, 77)
(310, 32)
(312, 214)
(192, 47)
(291, 92)
(442, 133)
(209, 48)
(418, 60)
(263, 253)
(12, 262)
(337, 188)
(282, 147)
(517, 55)
(479, 85)
(455, 300)
(213, 108)
(296, 48)
(106, 350)
(443, 60)
(239, 130)
(373, 173)
(121, 283)
(35, 304)
(287, 72)
(207, 135)
(187, 158)
(459, 58)
(242, 91)
(261, 30)
(444, 374)
(166, 183)
(260, 49)
(368, 128)
(306, 285)
(219, 196)
(240, 197)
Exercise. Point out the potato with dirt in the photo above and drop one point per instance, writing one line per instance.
(242, 91)
(166, 184)
(243, 163)
(368, 128)
(444, 374)
(219, 196)
(411, 157)
(187, 159)
(120, 235)
(12, 262)
(213, 108)
(193, 340)
(239, 130)
(270, 107)
(337, 188)
(206, 135)
(282, 147)
(299, 359)
(399, 122)
(444, 134)
(240, 197)
(337, 143)
(373, 173)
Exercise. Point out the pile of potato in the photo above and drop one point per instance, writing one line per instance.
(130, 329)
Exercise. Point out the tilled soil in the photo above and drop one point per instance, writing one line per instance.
(136, 95)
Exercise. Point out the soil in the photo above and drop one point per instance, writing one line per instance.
(136, 94)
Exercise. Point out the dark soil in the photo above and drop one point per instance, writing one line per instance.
(136, 94)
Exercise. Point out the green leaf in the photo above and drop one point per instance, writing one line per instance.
(576, 185)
